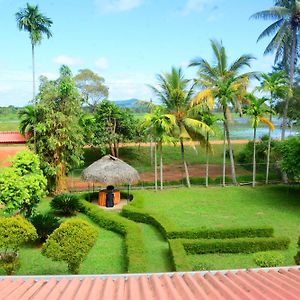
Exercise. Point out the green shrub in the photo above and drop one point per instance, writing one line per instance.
(134, 243)
(237, 245)
(66, 204)
(14, 232)
(70, 243)
(297, 256)
(268, 259)
(178, 256)
(44, 224)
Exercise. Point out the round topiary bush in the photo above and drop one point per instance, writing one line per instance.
(71, 243)
(268, 259)
(14, 232)
(44, 224)
(65, 204)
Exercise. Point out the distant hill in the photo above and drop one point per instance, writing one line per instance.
(129, 103)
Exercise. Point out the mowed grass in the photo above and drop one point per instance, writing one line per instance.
(276, 206)
(9, 125)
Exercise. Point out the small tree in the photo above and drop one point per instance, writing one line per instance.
(22, 185)
(71, 243)
(14, 232)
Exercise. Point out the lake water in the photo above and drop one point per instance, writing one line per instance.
(241, 129)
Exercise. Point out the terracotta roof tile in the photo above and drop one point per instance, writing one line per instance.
(274, 283)
(12, 137)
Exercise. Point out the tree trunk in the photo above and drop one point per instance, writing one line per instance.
(233, 174)
(206, 159)
(224, 157)
(33, 97)
(292, 72)
(254, 157)
(60, 179)
(185, 165)
(161, 168)
(155, 167)
(268, 153)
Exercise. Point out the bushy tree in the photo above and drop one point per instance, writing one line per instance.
(59, 134)
(113, 125)
(71, 243)
(22, 185)
(289, 158)
(14, 232)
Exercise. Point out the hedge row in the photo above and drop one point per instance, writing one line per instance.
(134, 211)
(178, 256)
(134, 244)
(237, 245)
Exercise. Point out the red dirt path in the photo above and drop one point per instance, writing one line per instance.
(171, 172)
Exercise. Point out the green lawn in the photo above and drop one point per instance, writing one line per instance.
(276, 206)
(9, 125)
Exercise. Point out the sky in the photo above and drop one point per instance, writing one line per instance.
(127, 42)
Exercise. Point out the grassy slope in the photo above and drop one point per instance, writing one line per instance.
(276, 206)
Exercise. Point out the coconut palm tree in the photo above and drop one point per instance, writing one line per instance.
(276, 84)
(160, 128)
(175, 92)
(36, 24)
(285, 42)
(225, 84)
(257, 109)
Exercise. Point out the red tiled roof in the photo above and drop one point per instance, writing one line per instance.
(12, 137)
(273, 283)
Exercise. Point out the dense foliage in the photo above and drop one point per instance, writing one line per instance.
(14, 232)
(289, 157)
(22, 185)
(65, 203)
(71, 243)
(44, 224)
(59, 136)
(268, 259)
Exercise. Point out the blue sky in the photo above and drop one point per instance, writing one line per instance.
(126, 41)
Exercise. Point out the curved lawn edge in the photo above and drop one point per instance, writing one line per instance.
(133, 236)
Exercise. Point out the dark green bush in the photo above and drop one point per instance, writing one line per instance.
(134, 244)
(44, 224)
(65, 204)
(297, 256)
(71, 243)
(268, 259)
(178, 256)
(237, 245)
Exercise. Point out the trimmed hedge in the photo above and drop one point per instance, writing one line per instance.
(134, 211)
(237, 245)
(178, 256)
(134, 244)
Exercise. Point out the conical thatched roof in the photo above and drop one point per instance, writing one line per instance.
(110, 170)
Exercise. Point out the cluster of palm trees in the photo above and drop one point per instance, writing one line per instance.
(186, 114)
(187, 106)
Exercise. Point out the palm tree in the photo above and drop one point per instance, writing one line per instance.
(277, 85)
(27, 116)
(285, 41)
(223, 83)
(161, 130)
(175, 92)
(31, 20)
(257, 110)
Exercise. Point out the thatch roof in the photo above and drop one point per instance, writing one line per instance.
(110, 170)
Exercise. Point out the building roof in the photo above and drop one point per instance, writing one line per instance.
(273, 283)
(12, 137)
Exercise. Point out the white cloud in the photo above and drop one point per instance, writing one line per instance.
(111, 6)
(195, 6)
(67, 60)
(5, 87)
(102, 63)
(129, 85)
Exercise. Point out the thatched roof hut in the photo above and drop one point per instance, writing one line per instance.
(110, 170)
